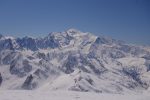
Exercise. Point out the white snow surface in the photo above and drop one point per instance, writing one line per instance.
(67, 95)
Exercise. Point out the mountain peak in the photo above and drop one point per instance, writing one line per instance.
(73, 30)
(73, 60)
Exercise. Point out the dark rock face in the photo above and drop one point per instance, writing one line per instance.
(40, 73)
(28, 85)
(27, 67)
(20, 69)
(51, 42)
(47, 42)
(69, 65)
(1, 79)
(41, 55)
(6, 44)
(148, 67)
(147, 64)
(117, 54)
(134, 50)
(134, 73)
(8, 58)
(101, 40)
(27, 43)
(147, 56)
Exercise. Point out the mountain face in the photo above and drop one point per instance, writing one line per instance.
(75, 61)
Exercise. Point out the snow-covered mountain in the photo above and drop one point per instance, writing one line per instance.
(74, 61)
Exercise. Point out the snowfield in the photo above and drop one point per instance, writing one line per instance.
(73, 65)
(67, 95)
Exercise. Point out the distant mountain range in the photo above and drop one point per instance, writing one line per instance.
(73, 61)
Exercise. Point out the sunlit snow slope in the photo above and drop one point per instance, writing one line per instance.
(73, 61)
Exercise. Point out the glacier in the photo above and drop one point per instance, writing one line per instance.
(73, 61)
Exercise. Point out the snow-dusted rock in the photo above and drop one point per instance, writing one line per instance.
(74, 61)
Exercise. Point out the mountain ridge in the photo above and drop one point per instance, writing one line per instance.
(73, 61)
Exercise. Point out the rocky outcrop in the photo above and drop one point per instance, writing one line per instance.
(28, 84)
(1, 79)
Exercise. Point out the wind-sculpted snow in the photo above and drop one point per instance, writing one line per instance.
(73, 61)
(67, 95)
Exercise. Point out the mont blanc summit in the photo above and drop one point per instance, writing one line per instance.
(73, 61)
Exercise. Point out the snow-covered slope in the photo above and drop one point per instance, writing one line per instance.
(65, 95)
(73, 61)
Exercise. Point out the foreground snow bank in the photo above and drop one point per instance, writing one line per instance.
(67, 95)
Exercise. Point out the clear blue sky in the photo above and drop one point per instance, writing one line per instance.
(127, 20)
